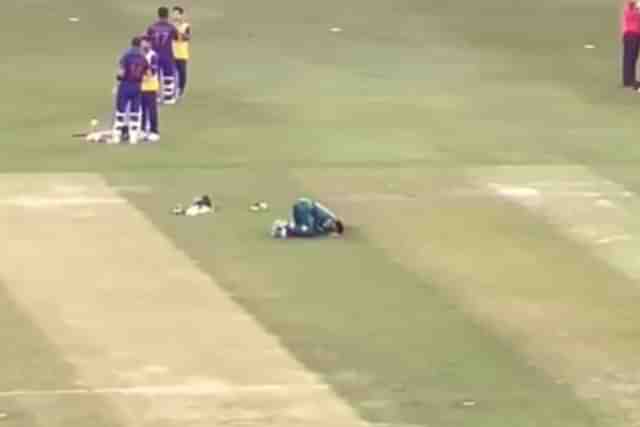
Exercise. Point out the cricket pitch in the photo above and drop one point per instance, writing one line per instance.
(142, 326)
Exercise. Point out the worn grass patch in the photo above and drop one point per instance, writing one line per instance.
(31, 361)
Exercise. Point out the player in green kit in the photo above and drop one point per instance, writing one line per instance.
(309, 218)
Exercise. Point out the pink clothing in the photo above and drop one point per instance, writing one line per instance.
(631, 19)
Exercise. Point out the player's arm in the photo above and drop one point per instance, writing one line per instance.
(121, 69)
(154, 66)
(146, 68)
(175, 34)
(186, 36)
(324, 212)
(327, 220)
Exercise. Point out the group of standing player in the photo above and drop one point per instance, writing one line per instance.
(152, 71)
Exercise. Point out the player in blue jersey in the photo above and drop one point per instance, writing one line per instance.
(133, 67)
(162, 35)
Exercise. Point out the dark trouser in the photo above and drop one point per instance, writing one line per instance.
(150, 112)
(166, 65)
(128, 97)
(631, 47)
(181, 67)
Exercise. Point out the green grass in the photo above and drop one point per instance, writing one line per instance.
(392, 341)
(411, 92)
(413, 81)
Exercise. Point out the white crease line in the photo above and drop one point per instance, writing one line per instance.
(612, 239)
(529, 190)
(171, 390)
(514, 191)
(40, 202)
(133, 189)
(604, 203)
(69, 189)
(563, 183)
(396, 425)
(586, 194)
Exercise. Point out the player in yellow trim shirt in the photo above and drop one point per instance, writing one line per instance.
(150, 88)
(181, 47)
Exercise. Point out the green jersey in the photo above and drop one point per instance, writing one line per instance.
(311, 218)
(325, 219)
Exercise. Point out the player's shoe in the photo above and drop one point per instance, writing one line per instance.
(134, 137)
(171, 101)
(152, 137)
(279, 229)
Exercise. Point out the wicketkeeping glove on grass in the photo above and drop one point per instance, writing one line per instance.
(200, 205)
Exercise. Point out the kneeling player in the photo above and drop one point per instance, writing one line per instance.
(309, 219)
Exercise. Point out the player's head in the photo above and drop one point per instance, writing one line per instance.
(178, 12)
(136, 41)
(163, 13)
(145, 43)
(339, 227)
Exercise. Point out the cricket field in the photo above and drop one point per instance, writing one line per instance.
(484, 160)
